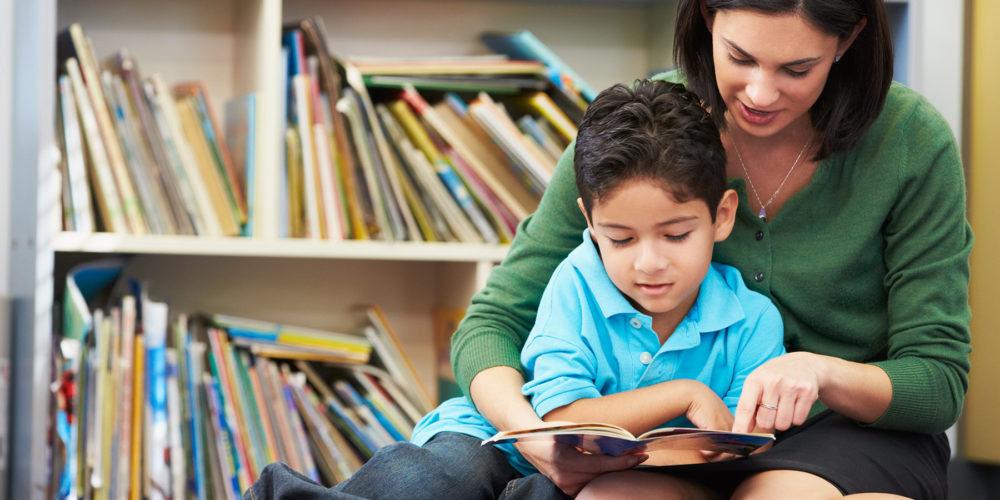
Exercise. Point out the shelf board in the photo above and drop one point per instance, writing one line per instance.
(282, 248)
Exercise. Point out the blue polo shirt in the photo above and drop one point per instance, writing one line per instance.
(589, 341)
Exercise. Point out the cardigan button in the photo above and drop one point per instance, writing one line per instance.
(759, 235)
(758, 277)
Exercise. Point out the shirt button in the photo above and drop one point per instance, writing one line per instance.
(758, 277)
(759, 235)
(645, 358)
(635, 323)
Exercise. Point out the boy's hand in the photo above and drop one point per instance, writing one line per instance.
(569, 468)
(706, 409)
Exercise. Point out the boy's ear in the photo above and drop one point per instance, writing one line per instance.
(583, 210)
(725, 214)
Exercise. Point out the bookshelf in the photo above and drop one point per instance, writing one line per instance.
(233, 45)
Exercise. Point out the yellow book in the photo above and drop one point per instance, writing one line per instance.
(545, 106)
(293, 171)
(138, 416)
(195, 136)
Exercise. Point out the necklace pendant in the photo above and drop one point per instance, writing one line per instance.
(762, 215)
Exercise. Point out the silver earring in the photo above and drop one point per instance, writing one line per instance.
(837, 58)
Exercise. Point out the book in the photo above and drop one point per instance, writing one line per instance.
(391, 352)
(465, 65)
(72, 42)
(609, 439)
(524, 45)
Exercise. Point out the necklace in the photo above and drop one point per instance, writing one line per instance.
(763, 206)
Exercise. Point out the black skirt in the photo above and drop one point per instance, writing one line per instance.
(854, 458)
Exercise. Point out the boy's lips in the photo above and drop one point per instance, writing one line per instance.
(755, 116)
(653, 289)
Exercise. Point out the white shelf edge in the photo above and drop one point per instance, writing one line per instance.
(283, 248)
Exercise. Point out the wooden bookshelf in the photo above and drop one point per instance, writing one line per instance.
(234, 46)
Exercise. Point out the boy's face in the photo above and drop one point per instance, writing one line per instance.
(656, 250)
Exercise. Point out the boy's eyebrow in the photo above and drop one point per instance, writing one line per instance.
(675, 220)
(805, 60)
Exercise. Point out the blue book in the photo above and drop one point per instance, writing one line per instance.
(524, 45)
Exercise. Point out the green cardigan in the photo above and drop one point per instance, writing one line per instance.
(869, 262)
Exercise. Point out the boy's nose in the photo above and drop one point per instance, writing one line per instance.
(650, 260)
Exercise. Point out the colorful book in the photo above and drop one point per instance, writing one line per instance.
(524, 45)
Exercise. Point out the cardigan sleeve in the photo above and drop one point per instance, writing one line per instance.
(927, 241)
(500, 316)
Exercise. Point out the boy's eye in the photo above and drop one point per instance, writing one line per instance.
(678, 237)
(621, 242)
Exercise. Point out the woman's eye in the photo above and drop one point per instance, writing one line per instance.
(678, 237)
(796, 74)
(741, 62)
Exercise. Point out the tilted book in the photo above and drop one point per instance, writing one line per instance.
(608, 439)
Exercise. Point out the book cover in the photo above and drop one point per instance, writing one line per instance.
(88, 65)
(109, 201)
(393, 353)
(154, 200)
(608, 439)
(216, 138)
(151, 146)
(430, 217)
(76, 167)
(240, 130)
(484, 156)
(463, 65)
(524, 45)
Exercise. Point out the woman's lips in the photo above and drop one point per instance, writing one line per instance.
(754, 116)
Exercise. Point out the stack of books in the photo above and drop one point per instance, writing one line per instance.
(453, 149)
(197, 406)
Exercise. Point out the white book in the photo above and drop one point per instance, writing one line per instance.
(164, 102)
(88, 66)
(303, 114)
(76, 166)
(108, 201)
(328, 184)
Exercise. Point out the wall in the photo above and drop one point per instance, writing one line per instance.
(982, 411)
(6, 55)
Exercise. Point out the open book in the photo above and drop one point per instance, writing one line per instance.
(608, 439)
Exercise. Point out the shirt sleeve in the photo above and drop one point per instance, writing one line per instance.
(927, 244)
(561, 368)
(500, 316)
(762, 339)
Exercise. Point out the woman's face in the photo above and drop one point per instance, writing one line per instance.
(770, 68)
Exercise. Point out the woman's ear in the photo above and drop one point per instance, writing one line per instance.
(846, 43)
(725, 214)
(709, 18)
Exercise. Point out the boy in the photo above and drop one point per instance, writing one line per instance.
(637, 327)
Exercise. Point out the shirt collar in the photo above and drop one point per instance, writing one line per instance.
(716, 307)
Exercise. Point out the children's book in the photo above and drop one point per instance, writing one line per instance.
(608, 439)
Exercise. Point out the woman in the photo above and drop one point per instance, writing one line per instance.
(851, 219)
(853, 223)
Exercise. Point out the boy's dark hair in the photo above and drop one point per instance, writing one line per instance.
(855, 89)
(656, 131)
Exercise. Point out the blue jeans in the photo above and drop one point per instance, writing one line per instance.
(450, 465)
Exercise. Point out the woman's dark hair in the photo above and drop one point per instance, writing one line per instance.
(655, 131)
(855, 89)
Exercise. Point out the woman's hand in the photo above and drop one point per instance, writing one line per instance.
(569, 468)
(780, 392)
